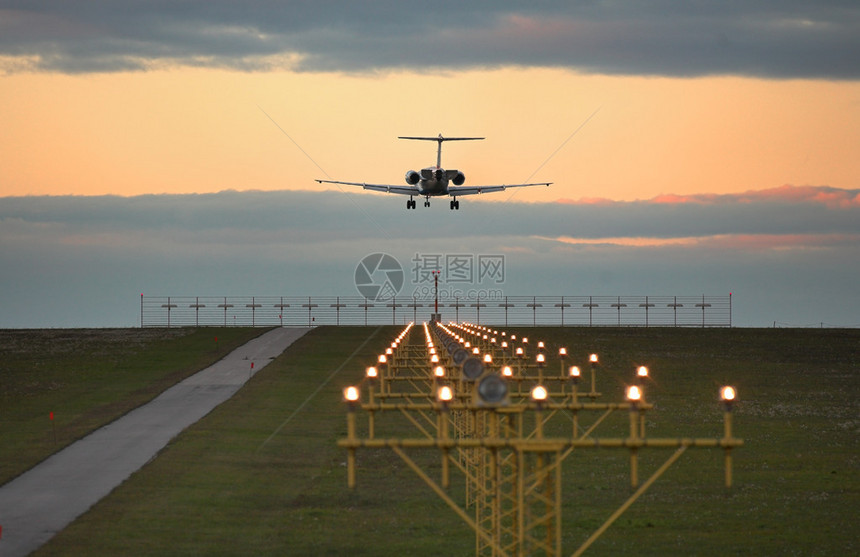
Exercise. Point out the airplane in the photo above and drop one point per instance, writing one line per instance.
(434, 181)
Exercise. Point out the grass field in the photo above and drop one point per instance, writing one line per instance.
(88, 378)
(262, 474)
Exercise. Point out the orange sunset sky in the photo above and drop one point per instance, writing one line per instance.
(192, 130)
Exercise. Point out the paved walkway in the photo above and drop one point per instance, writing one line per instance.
(44, 500)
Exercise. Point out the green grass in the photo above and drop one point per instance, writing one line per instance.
(88, 378)
(262, 474)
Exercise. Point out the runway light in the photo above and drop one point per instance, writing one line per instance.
(541, 360)
(504, 344)
(383, 359)
(507, 371)
(540, 345)
(539, 393)
(727, 393)
(372, 373)
(520, 353)
(642, 372)
(488, 359)
(475, 350)
(445, 394)
(525, 340)
(434, 359)
(389, 351)
(351, 394)
(562, 352)
(593, 358)
(634, 393)
(439, 372)
(574, 372)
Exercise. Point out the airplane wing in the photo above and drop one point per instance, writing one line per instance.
(403, 190)
(474, 190)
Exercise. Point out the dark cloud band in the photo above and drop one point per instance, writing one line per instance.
(758, 38)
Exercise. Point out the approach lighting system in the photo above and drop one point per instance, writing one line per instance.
(492, 389)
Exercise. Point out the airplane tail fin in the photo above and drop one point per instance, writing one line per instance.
(439, 139)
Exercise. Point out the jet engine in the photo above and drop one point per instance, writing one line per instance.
(439, 173)
(459, 178)
(412, 177)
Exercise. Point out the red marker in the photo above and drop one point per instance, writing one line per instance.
(52, 416)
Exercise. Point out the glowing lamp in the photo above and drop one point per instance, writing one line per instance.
(541, 360)
(488, 359)
(475, 350)
(434, 359)
(634, 393)
(507, 371)
(539, 393)
(520, 353)
(562, 352)
(593, 358)
(389, 351)
(372, 373)
(642, 372)
(383, 359)
(540, 345)
(445, 394)
(439, 372)
(574, 373)
(351, 394)
(727, 396)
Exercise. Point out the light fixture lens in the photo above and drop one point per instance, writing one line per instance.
(642, 371)
(593, 358)
(574, 371)
(372, 372)
(539, 393)
(439, 371)
(634, 393)
(507, 371)
(728, 393)
(445, 394)
(351, 394)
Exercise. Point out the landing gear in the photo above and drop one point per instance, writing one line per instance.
(455, 205)
(410, 204)
(427, 202)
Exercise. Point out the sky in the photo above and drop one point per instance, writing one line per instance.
(171, 149)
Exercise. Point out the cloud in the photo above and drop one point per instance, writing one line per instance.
(760, 37)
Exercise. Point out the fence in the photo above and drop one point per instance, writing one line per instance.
(265, 311)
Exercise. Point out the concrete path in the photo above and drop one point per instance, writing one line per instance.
(44, 500)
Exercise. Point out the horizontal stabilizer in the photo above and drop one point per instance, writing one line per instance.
(440, 138)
